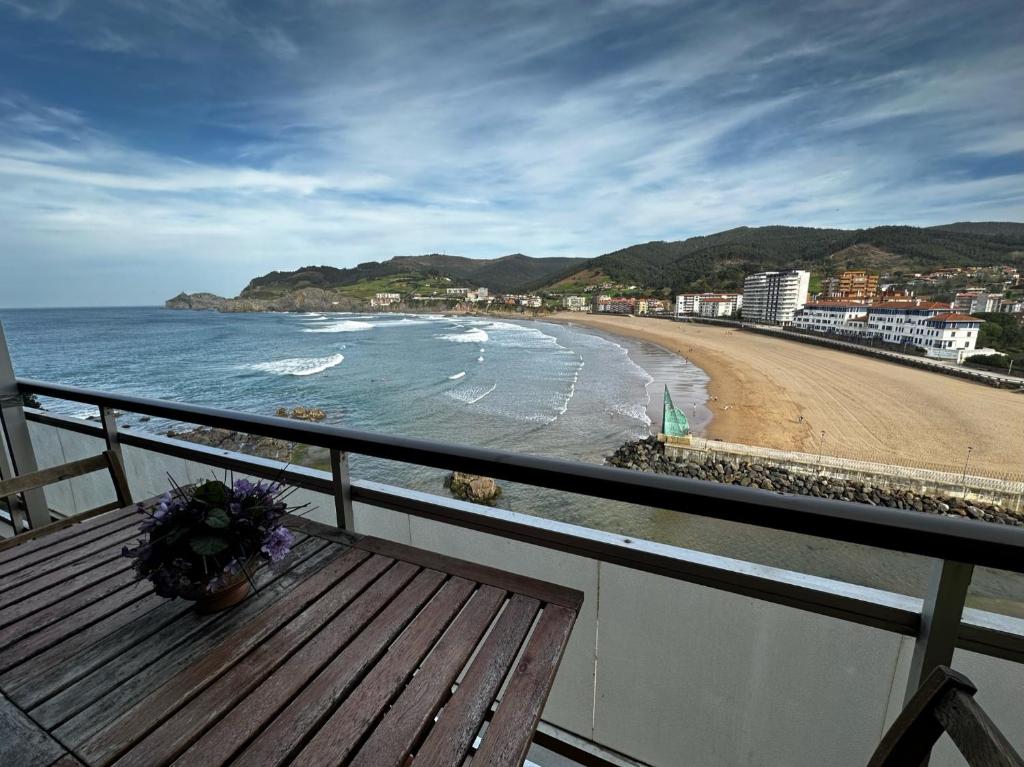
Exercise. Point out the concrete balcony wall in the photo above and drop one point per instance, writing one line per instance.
(663, 671)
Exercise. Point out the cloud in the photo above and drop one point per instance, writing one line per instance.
(252, 138)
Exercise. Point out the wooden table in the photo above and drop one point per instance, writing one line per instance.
(355, 651)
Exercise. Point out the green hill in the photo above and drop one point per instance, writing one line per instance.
(507, 274)
(720, 261)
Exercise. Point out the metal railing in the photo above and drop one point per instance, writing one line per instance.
(939, 622)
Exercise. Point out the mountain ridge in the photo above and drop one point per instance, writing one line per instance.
(716, 261)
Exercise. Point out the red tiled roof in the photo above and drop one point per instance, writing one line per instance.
(952, 317)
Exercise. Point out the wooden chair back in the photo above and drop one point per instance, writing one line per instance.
(944, 703)
(107, 460)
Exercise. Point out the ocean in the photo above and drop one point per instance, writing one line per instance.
(524, 386)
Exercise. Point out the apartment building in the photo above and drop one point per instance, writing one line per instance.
(935, 327)
(690, 303)
(775, 297)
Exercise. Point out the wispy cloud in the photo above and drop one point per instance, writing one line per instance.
(242, 137)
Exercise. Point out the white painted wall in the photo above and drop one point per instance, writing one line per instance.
(667, 672)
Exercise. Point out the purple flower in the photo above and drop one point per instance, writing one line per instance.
(277, 544)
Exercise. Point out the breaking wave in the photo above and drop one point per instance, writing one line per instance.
(345, 326)
(474, 336)
(457, 375)
(299, 366)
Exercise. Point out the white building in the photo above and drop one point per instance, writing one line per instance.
(933, 327)
(720, 306)
(385, 299)
(575, 303)
(456, 292)
(690, 303)
(775, 297)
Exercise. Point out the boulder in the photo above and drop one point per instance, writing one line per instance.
(473, 488)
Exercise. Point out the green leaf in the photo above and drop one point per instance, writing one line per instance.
(218, 518)
(207, 545)
(213, 493)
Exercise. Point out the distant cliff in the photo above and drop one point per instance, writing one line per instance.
(303, 300)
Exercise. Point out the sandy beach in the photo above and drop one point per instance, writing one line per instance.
(783, 394)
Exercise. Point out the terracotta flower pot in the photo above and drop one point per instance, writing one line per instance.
(235, 589)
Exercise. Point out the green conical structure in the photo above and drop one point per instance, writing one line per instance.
(673, 420)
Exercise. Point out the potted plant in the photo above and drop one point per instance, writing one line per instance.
(204, 542)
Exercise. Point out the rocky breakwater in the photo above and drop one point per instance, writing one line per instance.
(649, 455)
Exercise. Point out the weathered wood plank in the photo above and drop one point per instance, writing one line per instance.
(22, 741)
(121, 734)
(414, 710)
(116, 637)
(62, 584)
(284, 735)
(68, 760)
(175, 734)
(80, 556)
(59, 575)
(151, 656)
(43, 477)
(542, 591)
(511, 730)
(339, 736)
(449, 741)
(19, 547)
(30, 622)
(67, 551)
(242, 723)
(76, 623)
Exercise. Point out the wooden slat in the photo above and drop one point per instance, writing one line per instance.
(511, 730)
(540, 590)
(23, 743)
(279, 740)
(31, 622)
(242, 723)
(175, 734)
(339, 736)
(22, 546)
(449, 741)
(95, 700)
(109, 552)
(68, 760)
(80, 556)
(62, 584)
(397, 734)
(52, 475)
(78, 623)
(127, 729)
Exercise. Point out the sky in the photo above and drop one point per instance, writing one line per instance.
(152, 147)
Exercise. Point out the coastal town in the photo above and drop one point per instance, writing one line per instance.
(938, 314)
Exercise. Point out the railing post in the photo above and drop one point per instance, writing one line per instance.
(15, 428)
(342, 490)
(109, 420)
(940, 620)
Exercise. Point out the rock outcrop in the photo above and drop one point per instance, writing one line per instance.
(302, 300)
(302, 413)
(473, 488)
(649, 455)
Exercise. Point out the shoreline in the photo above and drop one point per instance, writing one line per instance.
(778, 393)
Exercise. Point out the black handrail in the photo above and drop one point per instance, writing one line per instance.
(962, 540)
